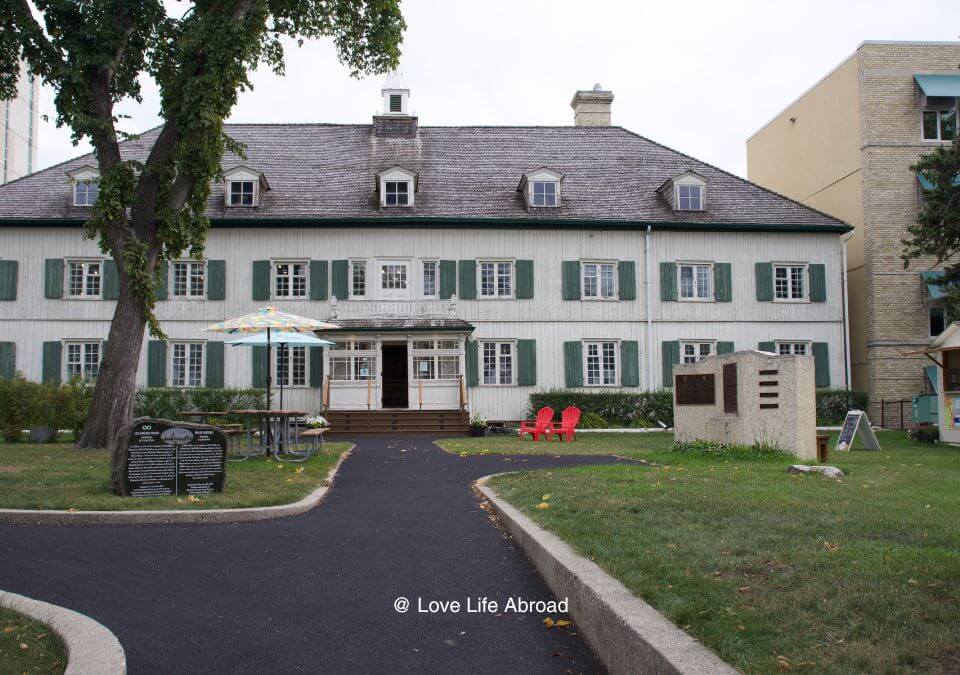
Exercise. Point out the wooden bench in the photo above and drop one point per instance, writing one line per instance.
(315, 436)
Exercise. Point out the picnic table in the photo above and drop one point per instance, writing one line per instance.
(275, 432)
(202, 415)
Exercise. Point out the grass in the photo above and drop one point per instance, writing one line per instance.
(586, 444)
(27, 646)
(55, 476)
(772, 570)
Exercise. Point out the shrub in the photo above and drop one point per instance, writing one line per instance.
(18, 399)
(925, 433)
(592, 420)
(833, 404)
(168, 402)
(728, 450)
(617, 408)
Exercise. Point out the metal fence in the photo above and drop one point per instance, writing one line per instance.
(895, 414)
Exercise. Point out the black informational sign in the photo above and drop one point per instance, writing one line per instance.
(170, 458)
(696, 390)
(856, 420)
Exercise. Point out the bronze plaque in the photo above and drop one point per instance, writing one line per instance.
(696, 390)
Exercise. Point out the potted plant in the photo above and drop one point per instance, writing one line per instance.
(317, 422)
(478, 426)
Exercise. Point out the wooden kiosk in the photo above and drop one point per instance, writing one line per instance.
(945, 353)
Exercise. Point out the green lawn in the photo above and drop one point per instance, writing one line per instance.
(770, 569)
(56, 476)
(586, 444)
(27, 646)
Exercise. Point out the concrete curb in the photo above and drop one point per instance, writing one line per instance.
(627, 634)
(244, 515)
(90, 646)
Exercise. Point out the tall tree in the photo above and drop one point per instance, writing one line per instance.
(936, 233)
(94, 54)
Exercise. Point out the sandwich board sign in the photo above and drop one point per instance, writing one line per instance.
(856, 420)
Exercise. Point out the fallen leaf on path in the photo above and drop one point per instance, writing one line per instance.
(543, 505)
(562, 622)
(549, 622)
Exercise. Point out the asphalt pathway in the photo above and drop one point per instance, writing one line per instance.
(316, 592)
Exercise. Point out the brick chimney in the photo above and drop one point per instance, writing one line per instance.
(395, 120)
(592, 107)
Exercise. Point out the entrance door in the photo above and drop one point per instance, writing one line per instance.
(395, 376)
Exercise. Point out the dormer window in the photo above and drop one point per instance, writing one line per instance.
(544, 193)
(396, 187)
(541, 188)
(243, 187)
(84, 185)
(689, 198)
(686, 192)
(397, 193)
(241, 193)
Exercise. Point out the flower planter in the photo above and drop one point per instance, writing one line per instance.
(478, 431)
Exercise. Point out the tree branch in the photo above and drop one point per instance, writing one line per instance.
(34, 31)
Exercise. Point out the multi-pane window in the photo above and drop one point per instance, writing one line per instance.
(290, 366)
(353, 360)
(496, 279)
(393, 276)
(358, 278)
(436, 360)
(186, 365)
(793, 348)
(83, 360)
(696, 282)
(241, 193)
(598, 280)
(691, 352)
(429, 278)
(83, 279)
(544, 193)
(290, 280)
(188, 279)
(85, 192)
(939, 120)
(689, 198)
(396, 193)
(601, 363)
(497, 362)
(788, 282)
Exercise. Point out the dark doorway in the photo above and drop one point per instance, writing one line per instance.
(395, 392)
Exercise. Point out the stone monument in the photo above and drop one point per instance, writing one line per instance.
(748, 397)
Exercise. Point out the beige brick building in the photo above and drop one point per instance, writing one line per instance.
(846, 147)
(19, 119)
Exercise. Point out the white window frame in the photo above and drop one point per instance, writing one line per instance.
(287, 381)
(585, 344)
(82, 344)
(83, 261)
(86, 182)
(434, 354)
(939, 111)
(689, 180)
(274, 275)
(533, 194)
(792, 344)
(393, 293)
(397, 175)
(350, 354)
(351, 265)
(804, 276)
(695, 264)
(436, 278)
(583, 280)
(190, 266)
(496, 262)
(254, 195)
(697, 344)
(172, 359)
(498, 342)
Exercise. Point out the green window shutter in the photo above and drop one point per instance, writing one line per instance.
(316, 366)
(526, 363)
(627, 279)
(340, 281)
(670, 357)
(722, 282)
(570, 270)
(261, 279)
(318, 279)
(468, 280)
(764, 272)
(53, 278)
(8, 279)
(111, 280)
(629, 363)
(8, 360)
(448, 279)
(258, 367)
(767, 347)
(160, 292)
(217, 280)
(818, 283)
(50, 368)
(573, 363)
(725, 348)
(472, 362)
(156, 363)
(821, 356)
(214, 357)
(524, 279)
(668, 282)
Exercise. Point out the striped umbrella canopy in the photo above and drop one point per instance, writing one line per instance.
(270, 318)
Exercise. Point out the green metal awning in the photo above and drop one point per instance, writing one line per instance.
(939, 85)
(927, 185)
(932, 280)
(931, 373)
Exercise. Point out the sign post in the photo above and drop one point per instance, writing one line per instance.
(851, 425)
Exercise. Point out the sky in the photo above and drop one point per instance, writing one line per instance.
(697, 76)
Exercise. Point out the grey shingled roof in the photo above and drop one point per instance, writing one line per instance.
(328, 170)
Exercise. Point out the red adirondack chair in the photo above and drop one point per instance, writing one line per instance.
(539, 426)
(568, 424)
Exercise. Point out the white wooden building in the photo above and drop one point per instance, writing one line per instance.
(466, 266)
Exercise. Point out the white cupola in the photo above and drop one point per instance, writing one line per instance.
(396, 95)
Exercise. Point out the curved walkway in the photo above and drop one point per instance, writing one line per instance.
(314, 592)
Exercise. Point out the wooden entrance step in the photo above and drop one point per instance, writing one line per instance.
(397, 421)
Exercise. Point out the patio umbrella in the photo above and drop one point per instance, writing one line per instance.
(281, 338)
(270, 319)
